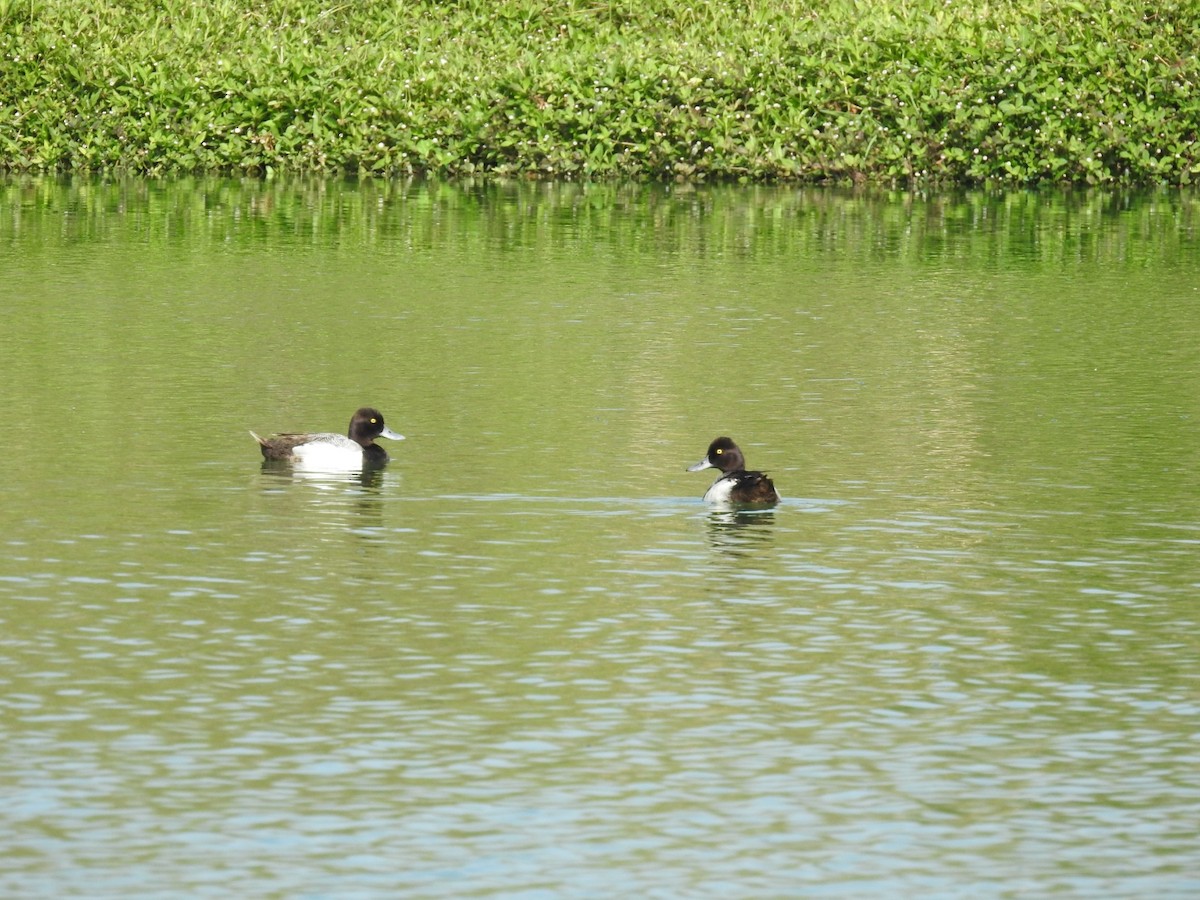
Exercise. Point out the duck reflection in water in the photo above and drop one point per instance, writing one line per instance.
(741, 532)
(369, 478)
(345, 500)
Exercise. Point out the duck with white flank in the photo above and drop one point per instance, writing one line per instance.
(352, 451)
(736, 486)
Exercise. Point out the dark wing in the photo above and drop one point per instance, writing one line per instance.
(280, 446)
(756, 487)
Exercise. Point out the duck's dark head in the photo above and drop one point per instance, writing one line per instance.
(367, 424)
(722, 454)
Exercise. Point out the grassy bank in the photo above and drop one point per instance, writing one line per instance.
(894, 91)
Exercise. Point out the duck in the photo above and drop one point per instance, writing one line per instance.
(736, 486)
(352, 451)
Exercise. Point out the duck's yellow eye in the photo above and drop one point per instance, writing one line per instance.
(719, 451)
(373, 421)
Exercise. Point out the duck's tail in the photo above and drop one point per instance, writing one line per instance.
(261, 442)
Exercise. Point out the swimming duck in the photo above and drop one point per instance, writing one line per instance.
(736, 486)
(335, 451)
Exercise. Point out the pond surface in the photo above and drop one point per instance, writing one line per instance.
(962, 659)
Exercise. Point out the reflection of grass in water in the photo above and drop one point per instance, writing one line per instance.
(893, 91)
(631, 222)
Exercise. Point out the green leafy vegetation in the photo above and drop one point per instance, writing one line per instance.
(893, 92)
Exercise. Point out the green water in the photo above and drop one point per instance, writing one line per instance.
(961, 659)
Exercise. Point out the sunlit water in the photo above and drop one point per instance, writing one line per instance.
(960, 660)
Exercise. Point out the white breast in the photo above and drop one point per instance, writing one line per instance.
(332, 453)
(720, 490)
